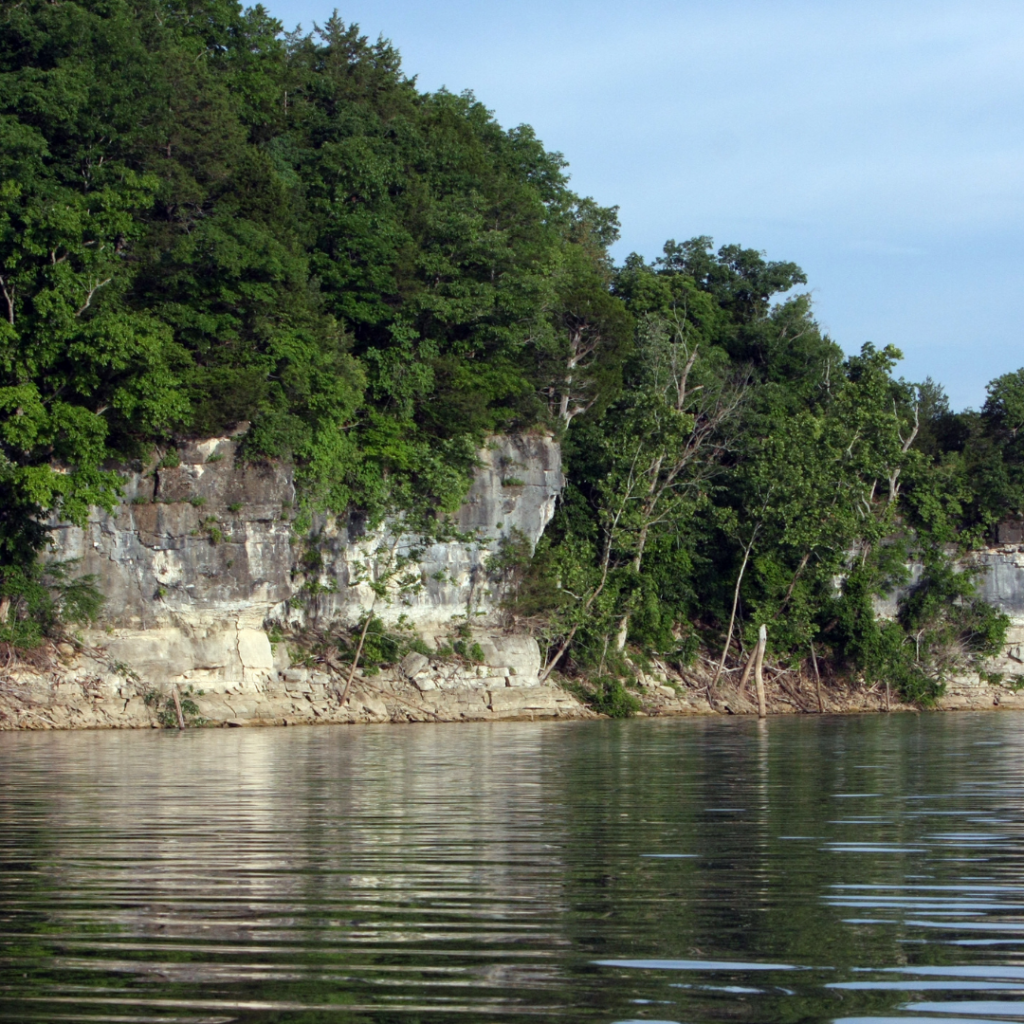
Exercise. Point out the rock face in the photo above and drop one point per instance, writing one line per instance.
(199, 560)
(210, 540)
(1003, 582)
(1002, 585)
(514, 491)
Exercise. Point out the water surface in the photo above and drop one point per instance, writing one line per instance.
(808, 869)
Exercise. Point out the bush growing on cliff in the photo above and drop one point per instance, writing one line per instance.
(382, 644)
(607, 696)
(39, 600)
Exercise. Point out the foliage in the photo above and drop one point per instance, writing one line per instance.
(816, 482)
(606, 695)
(205, 221)
(39, 599)
(383, 645)
(167, 711)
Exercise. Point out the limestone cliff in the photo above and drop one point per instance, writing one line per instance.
(1002, 585)
(201, 558)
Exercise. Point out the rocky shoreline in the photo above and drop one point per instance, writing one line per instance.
(68, 688)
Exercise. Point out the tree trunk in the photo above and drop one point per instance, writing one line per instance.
(817, 681)
(762, 642)
(622, 634)
(359, 651)
(748, 668)
(549, 667)
(605, 563)
(177, 707)
(735, 604)
(792, 585)
(638, 559)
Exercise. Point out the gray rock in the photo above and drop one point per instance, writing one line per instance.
(413, 664)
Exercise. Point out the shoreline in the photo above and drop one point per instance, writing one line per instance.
(61, 696)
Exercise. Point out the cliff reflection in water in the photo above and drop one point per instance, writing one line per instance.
(807, 869)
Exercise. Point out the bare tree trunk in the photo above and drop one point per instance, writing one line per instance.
(359, 651)
(762, 642)
(748, 668)
(549, 667)
(638, 558)
(177, 707)
(5, 609)
(9, 299)
(817, 680)
(735, 604)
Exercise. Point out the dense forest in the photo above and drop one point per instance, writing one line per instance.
(205, 220)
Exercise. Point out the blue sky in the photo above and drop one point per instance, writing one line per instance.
(878, 145)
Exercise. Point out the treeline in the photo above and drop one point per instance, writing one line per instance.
(205, 221)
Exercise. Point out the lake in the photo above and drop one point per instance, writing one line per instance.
(861, 869)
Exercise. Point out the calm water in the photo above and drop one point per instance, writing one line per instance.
(861, 869)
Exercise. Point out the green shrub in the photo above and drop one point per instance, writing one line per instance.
(384, 645)
(42, 598)
(213, 530)
(167, 713)
(607, 696)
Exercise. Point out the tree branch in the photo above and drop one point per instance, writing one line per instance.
(92, 291)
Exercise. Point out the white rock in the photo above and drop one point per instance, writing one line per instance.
(254, 649)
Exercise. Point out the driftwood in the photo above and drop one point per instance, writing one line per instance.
(779, 678)
(402, 700)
